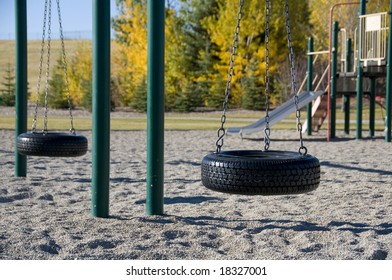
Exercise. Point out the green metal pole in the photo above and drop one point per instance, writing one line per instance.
(346, 97)
(101, 109)
(21, 82)
(155, 106)
(388, 120)
(335, 32)
(360, 75)
(348, 54)
(359, 101)
(372, 109)
(309, 85)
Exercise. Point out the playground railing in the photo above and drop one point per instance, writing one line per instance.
(374, 35)
(343, 38)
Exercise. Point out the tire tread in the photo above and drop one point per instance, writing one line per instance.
(52, 144)
(258, 176)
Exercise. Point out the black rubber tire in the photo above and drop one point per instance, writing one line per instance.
(52, 144)
(260, 172)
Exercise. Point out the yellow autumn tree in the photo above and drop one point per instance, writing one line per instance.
(251, 46)
(130, 58)
(80, 74)
(221, 28)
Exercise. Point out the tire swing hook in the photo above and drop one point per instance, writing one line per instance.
(303, 151)
(219, 142)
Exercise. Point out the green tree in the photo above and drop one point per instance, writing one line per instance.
(8, 87)
(188, 99)
(139, 100)
(87, 89)
(217, 92)
(252, 97)
(57, 95)
(196, 57)
(115, 94)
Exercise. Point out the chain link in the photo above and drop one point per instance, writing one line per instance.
(221, 130)
(45, 130)
(302, 149)
(267, 130)
(72, 129)
(34, 125)
(48, 17)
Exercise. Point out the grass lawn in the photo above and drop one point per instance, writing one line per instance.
(189, 121)
(62, 123)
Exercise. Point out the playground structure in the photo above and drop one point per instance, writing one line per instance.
(155, 88)
(369, 61)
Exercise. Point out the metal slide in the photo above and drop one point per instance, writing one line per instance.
(278, 114)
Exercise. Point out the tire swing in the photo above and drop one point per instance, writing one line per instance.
(45, 143)
(257, 172)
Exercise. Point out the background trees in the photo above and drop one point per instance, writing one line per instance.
(199, 35)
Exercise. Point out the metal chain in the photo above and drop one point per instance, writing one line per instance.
(72, 129)
(34, 126)
(45, 130)
(221, 130)
(302, 149)
(267, 130)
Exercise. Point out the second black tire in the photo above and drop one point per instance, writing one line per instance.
(255, 172)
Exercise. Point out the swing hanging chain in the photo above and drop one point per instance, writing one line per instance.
(45, 130)
(267, 130)
(48, 17)
(34, 125)
(221, 130)
(302, 149)
(65, 66)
